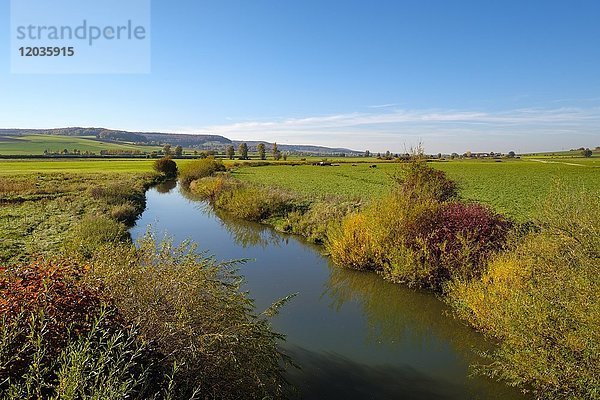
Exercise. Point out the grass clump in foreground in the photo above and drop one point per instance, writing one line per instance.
(541, 301)
(192, 310)
(155, 321)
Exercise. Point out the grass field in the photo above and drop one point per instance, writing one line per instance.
(37, 144)
(512, 187)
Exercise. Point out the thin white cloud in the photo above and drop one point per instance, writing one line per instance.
(530, 129)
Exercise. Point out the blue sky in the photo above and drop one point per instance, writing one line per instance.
(455, 75)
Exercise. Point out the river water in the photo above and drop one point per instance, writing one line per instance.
(354, 335)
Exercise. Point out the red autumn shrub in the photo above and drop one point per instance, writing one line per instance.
(54, 289)
(460, 239)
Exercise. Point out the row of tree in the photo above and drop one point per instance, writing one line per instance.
(261, 149)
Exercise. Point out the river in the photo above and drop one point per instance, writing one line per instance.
(354, 335)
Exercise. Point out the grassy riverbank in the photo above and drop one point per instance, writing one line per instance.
(508, 279)
(86, 314)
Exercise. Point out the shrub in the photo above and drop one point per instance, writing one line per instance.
(212, 187)
(193, 310)
(354, 245)
(166, 166)
(198, 169)
(380, 231)
(541, 300)
(419, 179)
(57, 339)
(415, 236)
(55, 289)
(254, 203)
(459, 239)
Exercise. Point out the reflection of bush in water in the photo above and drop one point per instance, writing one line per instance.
(166, 187)
(396, 313)
(249, 234)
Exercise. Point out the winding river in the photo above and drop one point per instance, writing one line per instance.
(354, 335)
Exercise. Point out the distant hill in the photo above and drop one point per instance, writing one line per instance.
(199, 141)
(150, 138)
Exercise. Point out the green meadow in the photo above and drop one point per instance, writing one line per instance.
(513, 187)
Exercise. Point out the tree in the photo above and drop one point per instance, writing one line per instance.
(454, 155)
(243, 150)
(388, 155)
(276, 152)
(178, 151)
(285, 156)
(262, 153)
(511, 154)
(587, 153)
(166, 166)
(367, 153)
(230, 152)
(167, 149)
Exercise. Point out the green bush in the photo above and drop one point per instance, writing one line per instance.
(199, 169)
(541, 301)
(417, 179)
(165, 166)
(212, 187)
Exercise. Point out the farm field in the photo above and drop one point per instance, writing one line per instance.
(514, 187)
(37, 144)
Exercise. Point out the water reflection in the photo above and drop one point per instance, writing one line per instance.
(244, 233)
(166, 187)
(397, 313)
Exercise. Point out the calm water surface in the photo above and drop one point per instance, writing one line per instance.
(354, 335)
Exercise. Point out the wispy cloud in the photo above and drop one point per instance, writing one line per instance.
(441, 130)
(383, 105)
